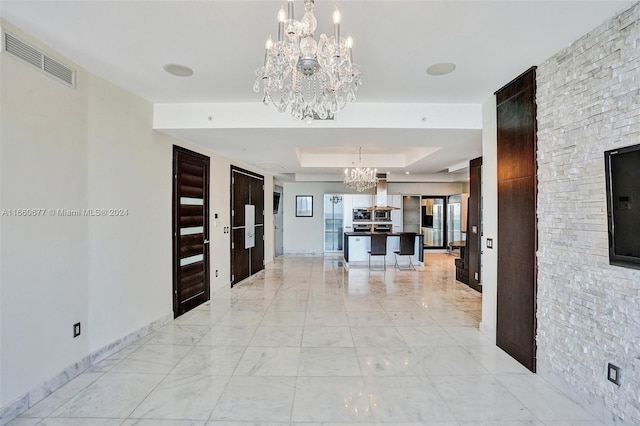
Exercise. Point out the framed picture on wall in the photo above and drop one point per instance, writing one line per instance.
(304, 205)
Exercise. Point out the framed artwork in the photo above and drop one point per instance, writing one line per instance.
(304, 205)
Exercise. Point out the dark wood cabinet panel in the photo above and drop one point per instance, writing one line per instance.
(474, 218)
(516, 153)
(517, 228)
(516, 310)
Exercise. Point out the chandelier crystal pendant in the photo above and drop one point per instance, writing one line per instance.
(360, 178)
(312, 78)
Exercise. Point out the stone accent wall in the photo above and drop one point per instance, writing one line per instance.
(588, 311)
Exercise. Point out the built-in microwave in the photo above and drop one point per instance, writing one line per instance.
(382, 215)
(361, 215)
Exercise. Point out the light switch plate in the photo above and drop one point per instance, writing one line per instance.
(490, 243)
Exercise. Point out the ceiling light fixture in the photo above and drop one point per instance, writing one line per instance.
(312, 78)
(360, 178)
(442, 68)
(178, 70)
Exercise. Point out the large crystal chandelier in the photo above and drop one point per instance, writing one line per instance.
(311, 77)
(360, 178)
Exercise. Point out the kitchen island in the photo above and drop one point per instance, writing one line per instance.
(357, 245)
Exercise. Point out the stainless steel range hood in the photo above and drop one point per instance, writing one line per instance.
(381, 195)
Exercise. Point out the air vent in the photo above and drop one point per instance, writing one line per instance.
(40, 60)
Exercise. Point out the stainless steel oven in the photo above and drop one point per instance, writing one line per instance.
(361, 215)
(382, 227)
(361, 227)
(382, 215)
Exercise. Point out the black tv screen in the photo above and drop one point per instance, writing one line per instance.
(622, 168)
(276, 202)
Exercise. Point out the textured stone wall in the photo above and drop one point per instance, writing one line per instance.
(588, 311)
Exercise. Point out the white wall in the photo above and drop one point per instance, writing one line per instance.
(88, 147)
(44, 262)
(489, 257)
(312, 228)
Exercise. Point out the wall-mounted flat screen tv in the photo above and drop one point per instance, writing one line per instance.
(622, 169)
(276, 202)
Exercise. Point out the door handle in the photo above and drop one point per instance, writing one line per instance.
(206, 242)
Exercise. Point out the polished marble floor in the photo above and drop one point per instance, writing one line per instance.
(308, 342)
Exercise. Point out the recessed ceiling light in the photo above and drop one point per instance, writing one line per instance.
(406, 173)
(441, 69)
(178, 70)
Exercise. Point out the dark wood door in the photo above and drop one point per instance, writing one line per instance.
(247, 192)
(517, 230)
(190, 230)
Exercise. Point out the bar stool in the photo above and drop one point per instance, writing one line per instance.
(407, 248)
(378, 248)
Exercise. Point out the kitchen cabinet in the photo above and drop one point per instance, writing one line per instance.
(411, 213)
(347, 203)
(362, 201)
(396, 215)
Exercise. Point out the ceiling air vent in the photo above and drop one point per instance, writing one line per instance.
(40, 60)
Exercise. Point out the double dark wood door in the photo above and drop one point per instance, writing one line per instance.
(247, 218)
(190, 230)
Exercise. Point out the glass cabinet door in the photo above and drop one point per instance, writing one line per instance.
(333, 222)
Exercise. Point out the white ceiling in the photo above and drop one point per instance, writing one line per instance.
(128, 42)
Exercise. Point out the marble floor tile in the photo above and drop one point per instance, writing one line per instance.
(51, 403)
(161, 422)
(480, 399)
(80, 422)
(448, 361)
(402, 399)
(326, 319)
(411, 319)
(277, 336)
(176, 334)
(544, 400)
(114, 395)
(22, 421)
(224, 335)
(328, 362)
(283, 318)
(377, 336)
(210, 360)
(264, 361)
(152, 359)
(331, 399)
(182, 397)
(251, 399)
(327, 337)
(389, 361)
(426, 336)
(369, 319)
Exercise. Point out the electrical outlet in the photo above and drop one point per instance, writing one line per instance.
(216, 272)
(613, 373)
(475, 276)
(76, 329)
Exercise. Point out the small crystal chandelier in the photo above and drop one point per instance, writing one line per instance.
(312, 78)
(360, 178)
